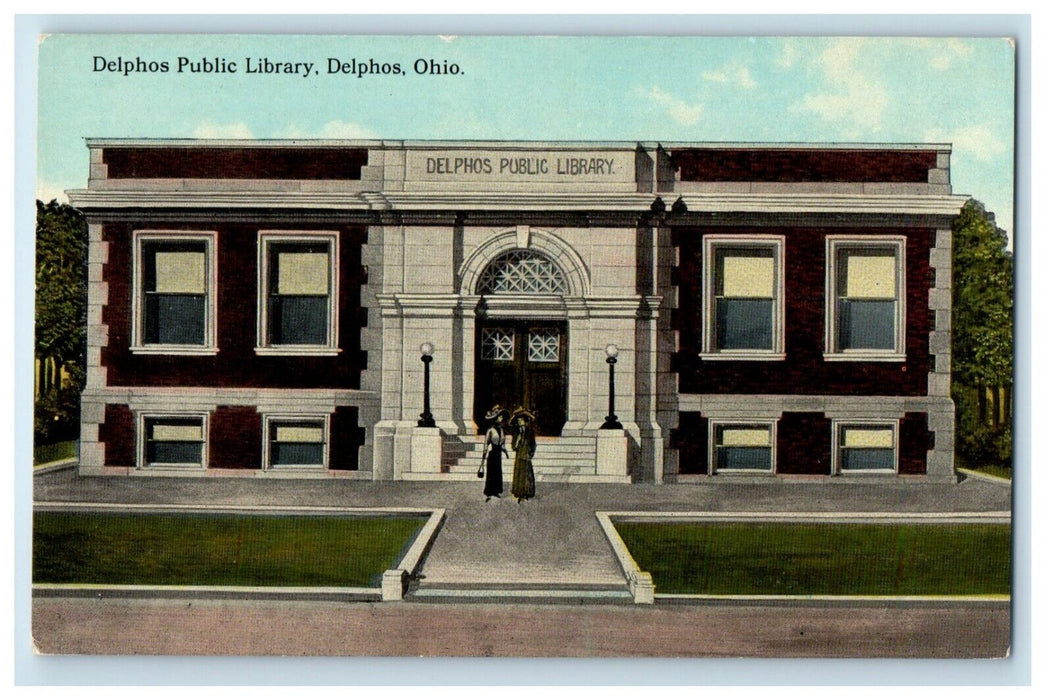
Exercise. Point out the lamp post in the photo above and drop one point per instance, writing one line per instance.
(426, 419)
(611, 422)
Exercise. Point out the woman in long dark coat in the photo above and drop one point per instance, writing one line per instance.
(524, 443)
(494, 448)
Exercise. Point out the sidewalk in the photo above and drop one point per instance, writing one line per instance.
(550, 542)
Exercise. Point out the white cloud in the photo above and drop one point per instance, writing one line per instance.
(330, 130)
(681, 111)
(47, 191)
(859, 106)
(838, 60)
(848, 96)
(735, 75)
(212, 130)
(977, 140)
(943, 53)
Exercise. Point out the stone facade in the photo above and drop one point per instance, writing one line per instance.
(520, 264)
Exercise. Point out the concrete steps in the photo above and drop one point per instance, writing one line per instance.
(562, 456)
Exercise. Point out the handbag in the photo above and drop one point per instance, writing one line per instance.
(480, 473)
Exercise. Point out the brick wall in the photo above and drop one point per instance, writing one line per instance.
(805, 165)
(235, 438)
(914, 443)
(235, 163)
(691, 438)
(803, 444)
(804, 371)
(346, 438)
(117, 433)
(236, 364)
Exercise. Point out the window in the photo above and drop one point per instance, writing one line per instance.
(294, 442)
(865, 292)
(172, 441)
(522, 272)
(298, 292)
(742, 447)
(499, 344)
(175, 281)
(742, 303)
(865, 447)
(543, 345)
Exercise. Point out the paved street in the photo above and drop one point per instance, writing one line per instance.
(551, 541)
(88, 626)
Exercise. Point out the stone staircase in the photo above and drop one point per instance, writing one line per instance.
(565, 458)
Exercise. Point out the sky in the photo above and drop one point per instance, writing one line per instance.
(775, 89)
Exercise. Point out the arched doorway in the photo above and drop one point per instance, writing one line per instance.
(522, 361)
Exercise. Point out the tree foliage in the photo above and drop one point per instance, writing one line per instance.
(61, 316)
(982, 337)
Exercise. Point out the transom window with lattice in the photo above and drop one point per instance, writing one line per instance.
(522, 272)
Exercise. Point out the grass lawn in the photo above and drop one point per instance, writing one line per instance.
(993, 470)
(42, 454)
(217, 550)
(821, 558)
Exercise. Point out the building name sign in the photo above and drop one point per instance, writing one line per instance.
(523, 165)
(605, 166)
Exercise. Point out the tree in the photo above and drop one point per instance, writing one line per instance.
(61, 318)
(982, 337)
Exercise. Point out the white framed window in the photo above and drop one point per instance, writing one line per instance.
(296, 441)
(298, 292)
(743, 447)
(174, 293)
(743, 298)
(172, 441)
(866, 447)
(499, 344)
(865, 298)
(522, 272)
(543, 345)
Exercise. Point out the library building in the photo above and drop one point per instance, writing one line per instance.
(669, 312)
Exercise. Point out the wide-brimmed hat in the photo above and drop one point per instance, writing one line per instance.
(523, 413)
(495, 412)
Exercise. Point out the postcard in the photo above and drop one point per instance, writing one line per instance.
(465, 346)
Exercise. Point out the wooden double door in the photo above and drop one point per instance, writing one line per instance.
(522, 363)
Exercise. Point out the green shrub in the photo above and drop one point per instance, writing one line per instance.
(57, 417)
(977, 441)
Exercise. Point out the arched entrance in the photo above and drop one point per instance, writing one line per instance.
(522, 361)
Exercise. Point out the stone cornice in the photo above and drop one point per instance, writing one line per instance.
(361, 201)
(945, 205)
(103, 142)
(835, 406)
(179, 199)
(402, 303)
(938, 205)
(517, 200)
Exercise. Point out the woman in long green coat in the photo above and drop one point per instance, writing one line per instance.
(524, 443)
